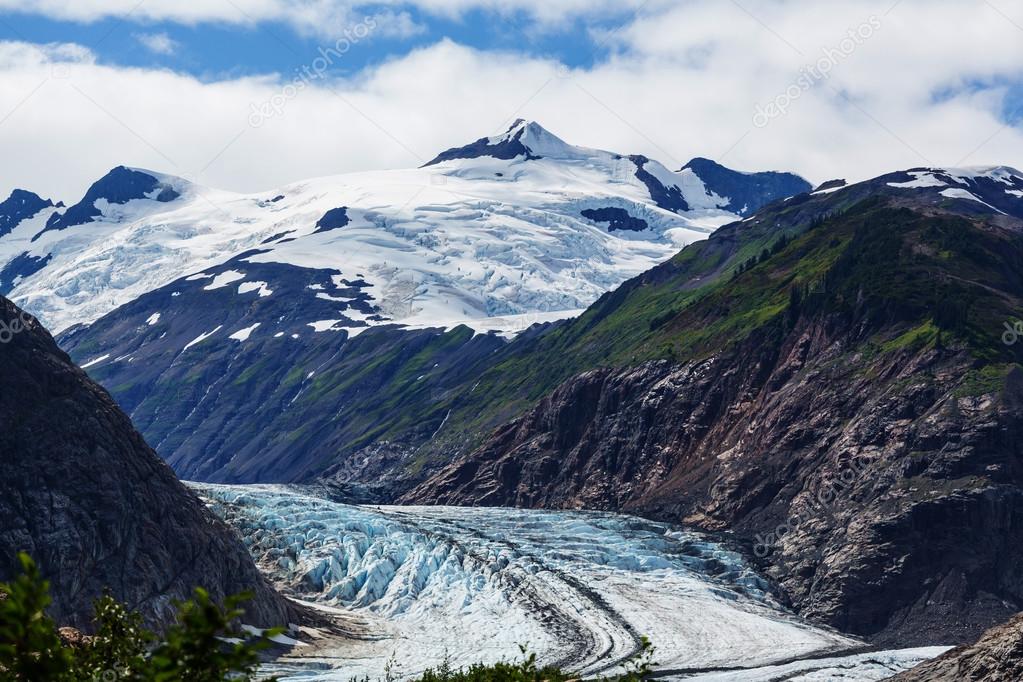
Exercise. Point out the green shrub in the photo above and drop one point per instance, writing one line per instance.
(637, 669)
(30, 648)
(204, 645)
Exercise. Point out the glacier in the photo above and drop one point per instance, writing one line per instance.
(414, 586)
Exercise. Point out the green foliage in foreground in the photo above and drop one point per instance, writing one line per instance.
(637, 669)
(204, 645)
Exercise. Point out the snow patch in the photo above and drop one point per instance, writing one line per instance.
(325, 325)
(244, 334)
(201, 338)
(922, 179)
(958, 193)
(261, 287)
(98, 360)
(223, 279)
(153, 319)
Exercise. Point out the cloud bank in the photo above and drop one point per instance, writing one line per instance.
(929, 85)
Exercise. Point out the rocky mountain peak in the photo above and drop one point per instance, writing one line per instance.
(119, 186)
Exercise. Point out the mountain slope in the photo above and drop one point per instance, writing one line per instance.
(93, 504)
(827, 379)
(351, 313)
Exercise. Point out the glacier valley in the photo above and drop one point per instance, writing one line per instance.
(410, 587)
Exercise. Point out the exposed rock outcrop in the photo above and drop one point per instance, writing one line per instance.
(83, 494)
(996, 657)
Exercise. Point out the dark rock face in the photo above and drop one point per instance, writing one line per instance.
(668, 198)
(119, 186)
(20, 206)
(333, 219)
(831, 184)
(507, 148)
(93, 504)
(21, 266)
(996, 657)
(616, 219)
(747, 192)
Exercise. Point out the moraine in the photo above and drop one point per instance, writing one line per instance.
(416, 584)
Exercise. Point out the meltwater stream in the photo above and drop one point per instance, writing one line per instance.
(414, 586)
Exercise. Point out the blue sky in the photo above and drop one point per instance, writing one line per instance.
(172, 86)
(220, 50)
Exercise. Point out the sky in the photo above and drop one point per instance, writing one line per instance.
(248, 95)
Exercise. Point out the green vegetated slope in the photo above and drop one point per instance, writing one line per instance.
(912, 277)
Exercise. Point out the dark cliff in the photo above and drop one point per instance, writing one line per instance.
(85, 496)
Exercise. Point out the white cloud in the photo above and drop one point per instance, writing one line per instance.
(684, 80)
(158, 43)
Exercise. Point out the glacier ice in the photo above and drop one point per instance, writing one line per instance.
(418, 584)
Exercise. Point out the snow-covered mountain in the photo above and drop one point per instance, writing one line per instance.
(253, 338)
(519, 224)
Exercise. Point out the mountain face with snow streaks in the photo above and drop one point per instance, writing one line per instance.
(190, 303)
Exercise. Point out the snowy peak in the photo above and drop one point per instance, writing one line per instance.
(524, 140)
(987, 189)
(495, 235)
(540, 141)
(508, 146)
(119, 186)
(745, 193)
(702, 185)
(20, 206)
